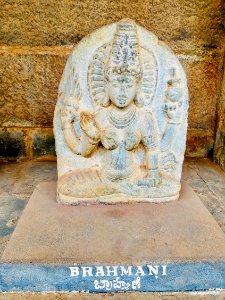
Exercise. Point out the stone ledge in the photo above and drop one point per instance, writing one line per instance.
(207, 295)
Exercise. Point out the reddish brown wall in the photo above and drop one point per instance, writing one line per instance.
(219, 149)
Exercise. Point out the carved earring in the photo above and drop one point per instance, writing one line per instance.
(138, 100)
(105, 100)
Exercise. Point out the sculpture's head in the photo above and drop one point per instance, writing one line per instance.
(122, 86)
(123, 70)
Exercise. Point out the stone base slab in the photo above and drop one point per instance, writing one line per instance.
(49, 232)
(148, 247)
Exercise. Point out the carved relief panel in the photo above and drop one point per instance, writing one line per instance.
(121, 119)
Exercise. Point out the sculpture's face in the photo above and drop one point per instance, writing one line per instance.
(122, 90)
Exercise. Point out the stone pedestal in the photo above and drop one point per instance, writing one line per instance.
(111, 248)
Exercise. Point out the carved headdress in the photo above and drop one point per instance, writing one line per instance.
(125, 55)
(122, 57)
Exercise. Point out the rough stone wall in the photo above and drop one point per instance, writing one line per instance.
(36, 38)
(219, 149)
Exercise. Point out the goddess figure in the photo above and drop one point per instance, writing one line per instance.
(119, 128)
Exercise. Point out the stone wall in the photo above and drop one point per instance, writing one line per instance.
(219, 149)
(36, 38)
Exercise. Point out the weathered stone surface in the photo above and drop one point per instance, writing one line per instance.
(31, 71)
(11, 208)
(200, 143)
(208, 181)
(43, 144)
(186, 24)
(219, 151)
(30, 78)
(12, 144)
(29, 175)
(201, 174)
(203, 75)
(207, 295)
(19, 179)
(219, 154)
(29, 86)
(137, 233)
(121, 110)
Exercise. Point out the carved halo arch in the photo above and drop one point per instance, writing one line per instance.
(97, 77)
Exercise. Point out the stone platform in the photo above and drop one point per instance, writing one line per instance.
(167, 247)
(49, 232)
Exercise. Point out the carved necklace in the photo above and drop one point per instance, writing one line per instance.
(121, 119)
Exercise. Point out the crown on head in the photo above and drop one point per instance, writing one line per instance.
(124, 57)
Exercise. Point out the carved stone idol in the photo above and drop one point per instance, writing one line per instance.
(121, 119)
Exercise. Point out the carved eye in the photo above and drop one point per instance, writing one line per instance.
(148, 138)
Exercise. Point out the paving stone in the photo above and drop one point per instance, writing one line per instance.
(31, 174)
(17, 182)
(117, 296)
(7, 177)
(10, 210)
(208, 181)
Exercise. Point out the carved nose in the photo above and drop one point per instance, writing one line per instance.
(123, 88)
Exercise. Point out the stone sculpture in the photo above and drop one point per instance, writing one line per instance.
(121, 119)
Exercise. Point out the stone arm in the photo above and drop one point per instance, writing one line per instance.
(69, 98)
(76, 138)
(150, 140)
(172, 110)
(168, 136)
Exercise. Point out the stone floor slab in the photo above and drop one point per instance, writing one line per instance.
(213, 295)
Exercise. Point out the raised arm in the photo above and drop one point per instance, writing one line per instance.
(69, 99)
(76, 138)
